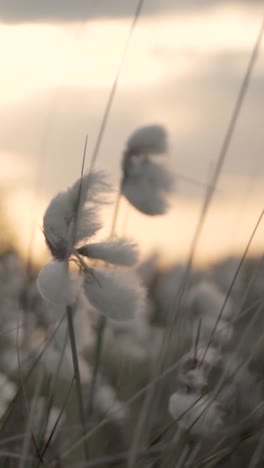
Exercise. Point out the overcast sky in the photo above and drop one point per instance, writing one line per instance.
(80, 10)
(183, 68)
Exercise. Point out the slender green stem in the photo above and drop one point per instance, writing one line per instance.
(58, 420)
(69, 311)
(97, 361)
(44, 445)
(114, 87)
(102, 321)
(116, 211)
(120, 458)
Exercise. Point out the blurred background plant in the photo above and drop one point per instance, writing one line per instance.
(210, 406)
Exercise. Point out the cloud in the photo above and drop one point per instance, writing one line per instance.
(16, 11)
(48, 129)
(41, 55)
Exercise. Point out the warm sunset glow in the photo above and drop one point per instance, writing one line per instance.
(40, 56)
(226, 230)
(84, 57)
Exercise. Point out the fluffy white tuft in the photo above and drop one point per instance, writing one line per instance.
(117, 294)
(147, 186)
(92, 191)
(57, 223)
(116, 251)
(199, 415)
(143, 198)
(92, 187)
(72, 215)
(151, 139)
(54, 284)
(195, 367)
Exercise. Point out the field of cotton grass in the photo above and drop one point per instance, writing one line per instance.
(108, 360)
(111, 361)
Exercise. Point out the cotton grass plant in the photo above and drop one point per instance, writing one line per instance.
(208, 385)
(146, 181)
(69, 221)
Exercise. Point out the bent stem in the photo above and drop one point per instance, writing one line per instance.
(69, 312)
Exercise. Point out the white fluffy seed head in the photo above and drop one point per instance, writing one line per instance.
(199, 415)
(54, 283)
(57, 224)
(117, 251)
(150, 139)
(93, 191)
(117, 294)
(71, 216)
(147, 185)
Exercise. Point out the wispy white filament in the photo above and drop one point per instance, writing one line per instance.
(71, 216)
(117, 251)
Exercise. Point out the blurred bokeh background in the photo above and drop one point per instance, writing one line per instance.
(183, 69)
